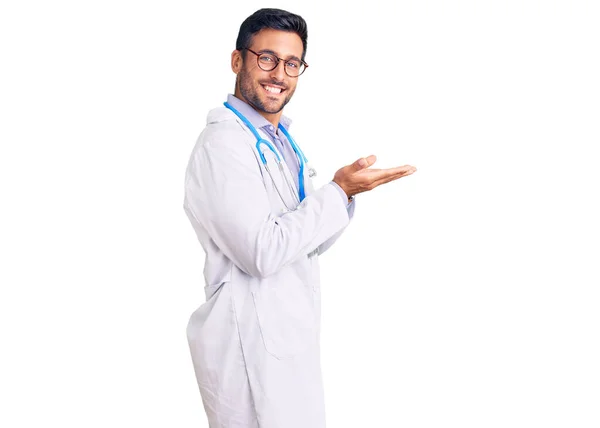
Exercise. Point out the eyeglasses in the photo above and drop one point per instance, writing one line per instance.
(268, 62)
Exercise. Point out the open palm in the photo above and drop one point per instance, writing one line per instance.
(359, 177)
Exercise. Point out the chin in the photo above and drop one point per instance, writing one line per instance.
(272, 107)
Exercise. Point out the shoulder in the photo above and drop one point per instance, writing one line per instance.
(223, 128)
(224, 135)
(222, 122)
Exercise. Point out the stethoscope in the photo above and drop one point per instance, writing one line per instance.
(301, 159)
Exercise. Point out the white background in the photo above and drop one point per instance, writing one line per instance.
(466, 295)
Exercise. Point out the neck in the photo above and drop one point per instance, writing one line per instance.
(271, 117)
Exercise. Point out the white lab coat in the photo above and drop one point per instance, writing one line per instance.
(255, 341)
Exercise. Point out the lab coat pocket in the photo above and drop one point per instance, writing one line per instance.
(286, 317)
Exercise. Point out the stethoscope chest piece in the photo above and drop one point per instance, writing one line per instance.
(312, 172)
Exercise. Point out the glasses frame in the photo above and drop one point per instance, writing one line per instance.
(258, 55)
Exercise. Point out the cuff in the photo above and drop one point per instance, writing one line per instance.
(342, 194)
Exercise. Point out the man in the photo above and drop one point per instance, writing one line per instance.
(255, 342)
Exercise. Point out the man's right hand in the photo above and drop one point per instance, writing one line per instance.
(358, 177)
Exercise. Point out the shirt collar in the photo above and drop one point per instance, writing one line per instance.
(253, 116)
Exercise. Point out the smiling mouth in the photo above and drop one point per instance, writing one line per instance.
(274, 90)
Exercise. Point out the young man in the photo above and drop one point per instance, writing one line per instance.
(262, 225)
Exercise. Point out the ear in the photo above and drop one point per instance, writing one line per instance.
(236, 61)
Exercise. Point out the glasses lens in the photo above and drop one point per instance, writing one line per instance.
(294, 68)
(267, 62)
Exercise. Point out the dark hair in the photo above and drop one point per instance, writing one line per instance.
(275, 19)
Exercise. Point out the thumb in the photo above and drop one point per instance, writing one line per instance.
(363, 163)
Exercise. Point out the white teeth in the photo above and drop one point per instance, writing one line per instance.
(272, 89)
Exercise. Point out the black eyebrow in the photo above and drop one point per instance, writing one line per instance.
(269, 51)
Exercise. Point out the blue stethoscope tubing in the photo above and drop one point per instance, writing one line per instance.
(259, 140)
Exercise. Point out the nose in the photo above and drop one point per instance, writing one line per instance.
(279, 71)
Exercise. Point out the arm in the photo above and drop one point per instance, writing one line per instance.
(225, 193)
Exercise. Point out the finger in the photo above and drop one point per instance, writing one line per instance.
(391, 178)
(364, 163)
(371, 160)
(405, 167)
(379, 174)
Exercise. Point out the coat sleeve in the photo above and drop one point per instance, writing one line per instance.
(225, 193)
(327, 244)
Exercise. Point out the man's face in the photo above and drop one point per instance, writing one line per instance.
(268, 91)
